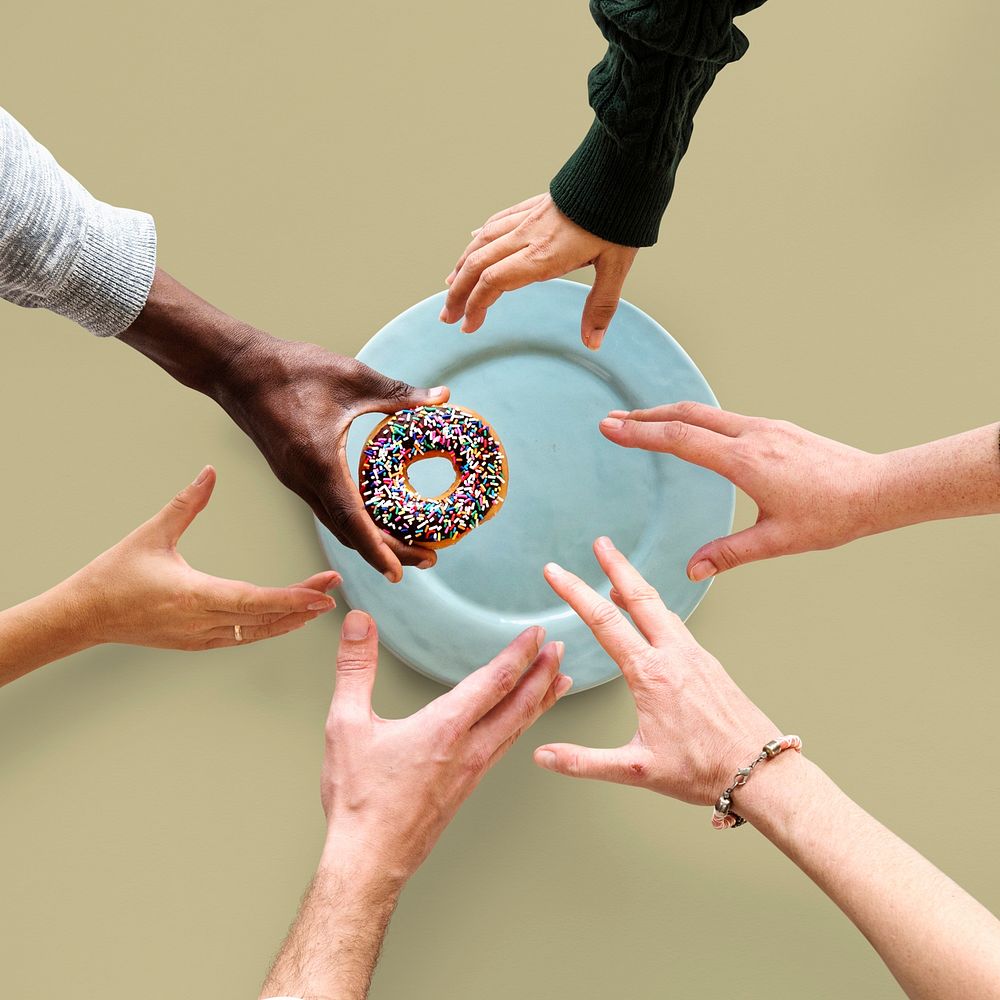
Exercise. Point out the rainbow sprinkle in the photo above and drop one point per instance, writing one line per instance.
(425, 432)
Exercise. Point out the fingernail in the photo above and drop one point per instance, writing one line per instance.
(563, 684)
(426, 564)
(560, 649)
(444, 316)
(612, 424)
(539, 635)
(702, 570)
(594, 341)
(619, 414)
(202, 476)
(392, 576)
(476, 232)
(604, 543)
(546, 758)
(320, 605)
(438, 390)
(357, 625)
(554, 569)
(587, 341)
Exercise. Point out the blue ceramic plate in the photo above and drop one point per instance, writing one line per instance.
(544, 393)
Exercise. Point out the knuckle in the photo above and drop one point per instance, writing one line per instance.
(604, 614)
(489, 278)
(475, 261)
(642, 593)
(687, 409)
(505, 679)
(389, 388)
(674, 432)
(726, 554)
(539, 251)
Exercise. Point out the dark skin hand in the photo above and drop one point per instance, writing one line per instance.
(295, 401)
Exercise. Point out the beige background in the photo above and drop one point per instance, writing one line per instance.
(829, 258)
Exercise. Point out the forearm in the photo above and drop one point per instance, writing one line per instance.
(62, 249)
(41, 630)
(189, 338)
(333, 946)
(957, 476)
(935, 939)
(662, 59)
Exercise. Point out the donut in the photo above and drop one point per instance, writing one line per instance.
(408, 436)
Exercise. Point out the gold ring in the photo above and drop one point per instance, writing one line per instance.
(237, 633)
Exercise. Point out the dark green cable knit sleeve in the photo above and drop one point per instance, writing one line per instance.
(662, 57)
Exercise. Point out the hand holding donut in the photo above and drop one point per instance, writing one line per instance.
(142, 592)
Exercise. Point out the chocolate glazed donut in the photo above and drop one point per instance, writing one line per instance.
(451, 432)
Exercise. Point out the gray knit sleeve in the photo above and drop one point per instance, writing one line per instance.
(61, 248)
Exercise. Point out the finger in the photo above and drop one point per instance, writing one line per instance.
(174, 519)
(357, 662)
(521, 206)
(712, 418)
(471, 274)
(623, 765)
(322, 582)
(673, 437)
(518, 270)
(559, 687)
(637, 597)
(620, 641)
(411, 555)
(520, 708)
(602, 301)
(487, 234)
(225, 635)
(486, 687)
(762, 541)
(342, 510)
(248, 599)
(227, 619)
(389, 395)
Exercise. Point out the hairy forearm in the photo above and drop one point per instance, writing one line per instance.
(935, 938)
(955, 477)
(41, 630)
(331, 950)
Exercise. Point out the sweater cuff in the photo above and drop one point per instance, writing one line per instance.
(108, 283)
(614, 193)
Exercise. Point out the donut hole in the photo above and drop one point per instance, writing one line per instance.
(432, 476)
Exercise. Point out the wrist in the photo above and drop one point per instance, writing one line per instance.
(197, 344)
(773, 796)
(350, 856)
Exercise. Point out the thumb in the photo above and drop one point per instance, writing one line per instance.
(602, 302)
(357, 660)
(390, 395)
(174, 519)
(762, 541)
(623, 765)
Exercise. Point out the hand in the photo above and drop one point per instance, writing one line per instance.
(534, 241)
(695, 725)
(296, 402)
(811, 492)
(142, 592)
(390, 787)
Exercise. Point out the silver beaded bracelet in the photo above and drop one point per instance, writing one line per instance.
(723, 817)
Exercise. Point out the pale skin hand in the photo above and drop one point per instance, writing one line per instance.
(533, 241)
(142, 592)
(935, 939)
(812, 492)
(389, 788)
